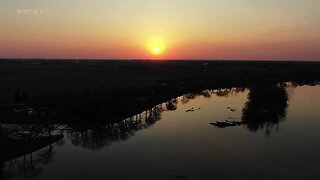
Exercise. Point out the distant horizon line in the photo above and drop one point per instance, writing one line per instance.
(151, 59)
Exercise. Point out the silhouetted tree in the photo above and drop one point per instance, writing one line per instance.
(266, 107)
(187, 97)
(171, 105)
(206, 93)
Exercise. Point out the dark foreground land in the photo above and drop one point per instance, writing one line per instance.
(71, 91)
(110, 100)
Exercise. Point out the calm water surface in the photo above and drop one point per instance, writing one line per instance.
(178, 144)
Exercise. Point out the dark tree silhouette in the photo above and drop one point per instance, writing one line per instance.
(101, 135)
(266, 107)
(172, 105)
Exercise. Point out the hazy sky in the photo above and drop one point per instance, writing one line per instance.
(184, 29)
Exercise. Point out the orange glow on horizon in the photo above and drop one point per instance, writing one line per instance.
(148, 29)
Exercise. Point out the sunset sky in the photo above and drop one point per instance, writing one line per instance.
(164, 29)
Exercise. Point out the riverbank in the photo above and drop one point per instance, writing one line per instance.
(89, 92)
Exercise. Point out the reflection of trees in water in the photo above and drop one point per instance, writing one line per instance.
(266, 107)
(228, 91)
(22, 169)
(46, 156)
(222, 92)
(103, 136)
(23, 139)
(302, 83)
(28, 166)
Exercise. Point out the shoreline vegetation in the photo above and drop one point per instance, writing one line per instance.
(89, 92)
(75, 91)
(114, 99)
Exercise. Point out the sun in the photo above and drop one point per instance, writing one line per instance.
(156, 46)
(156, 50)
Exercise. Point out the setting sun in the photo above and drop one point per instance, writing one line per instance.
(156, 46)
(156, 50)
